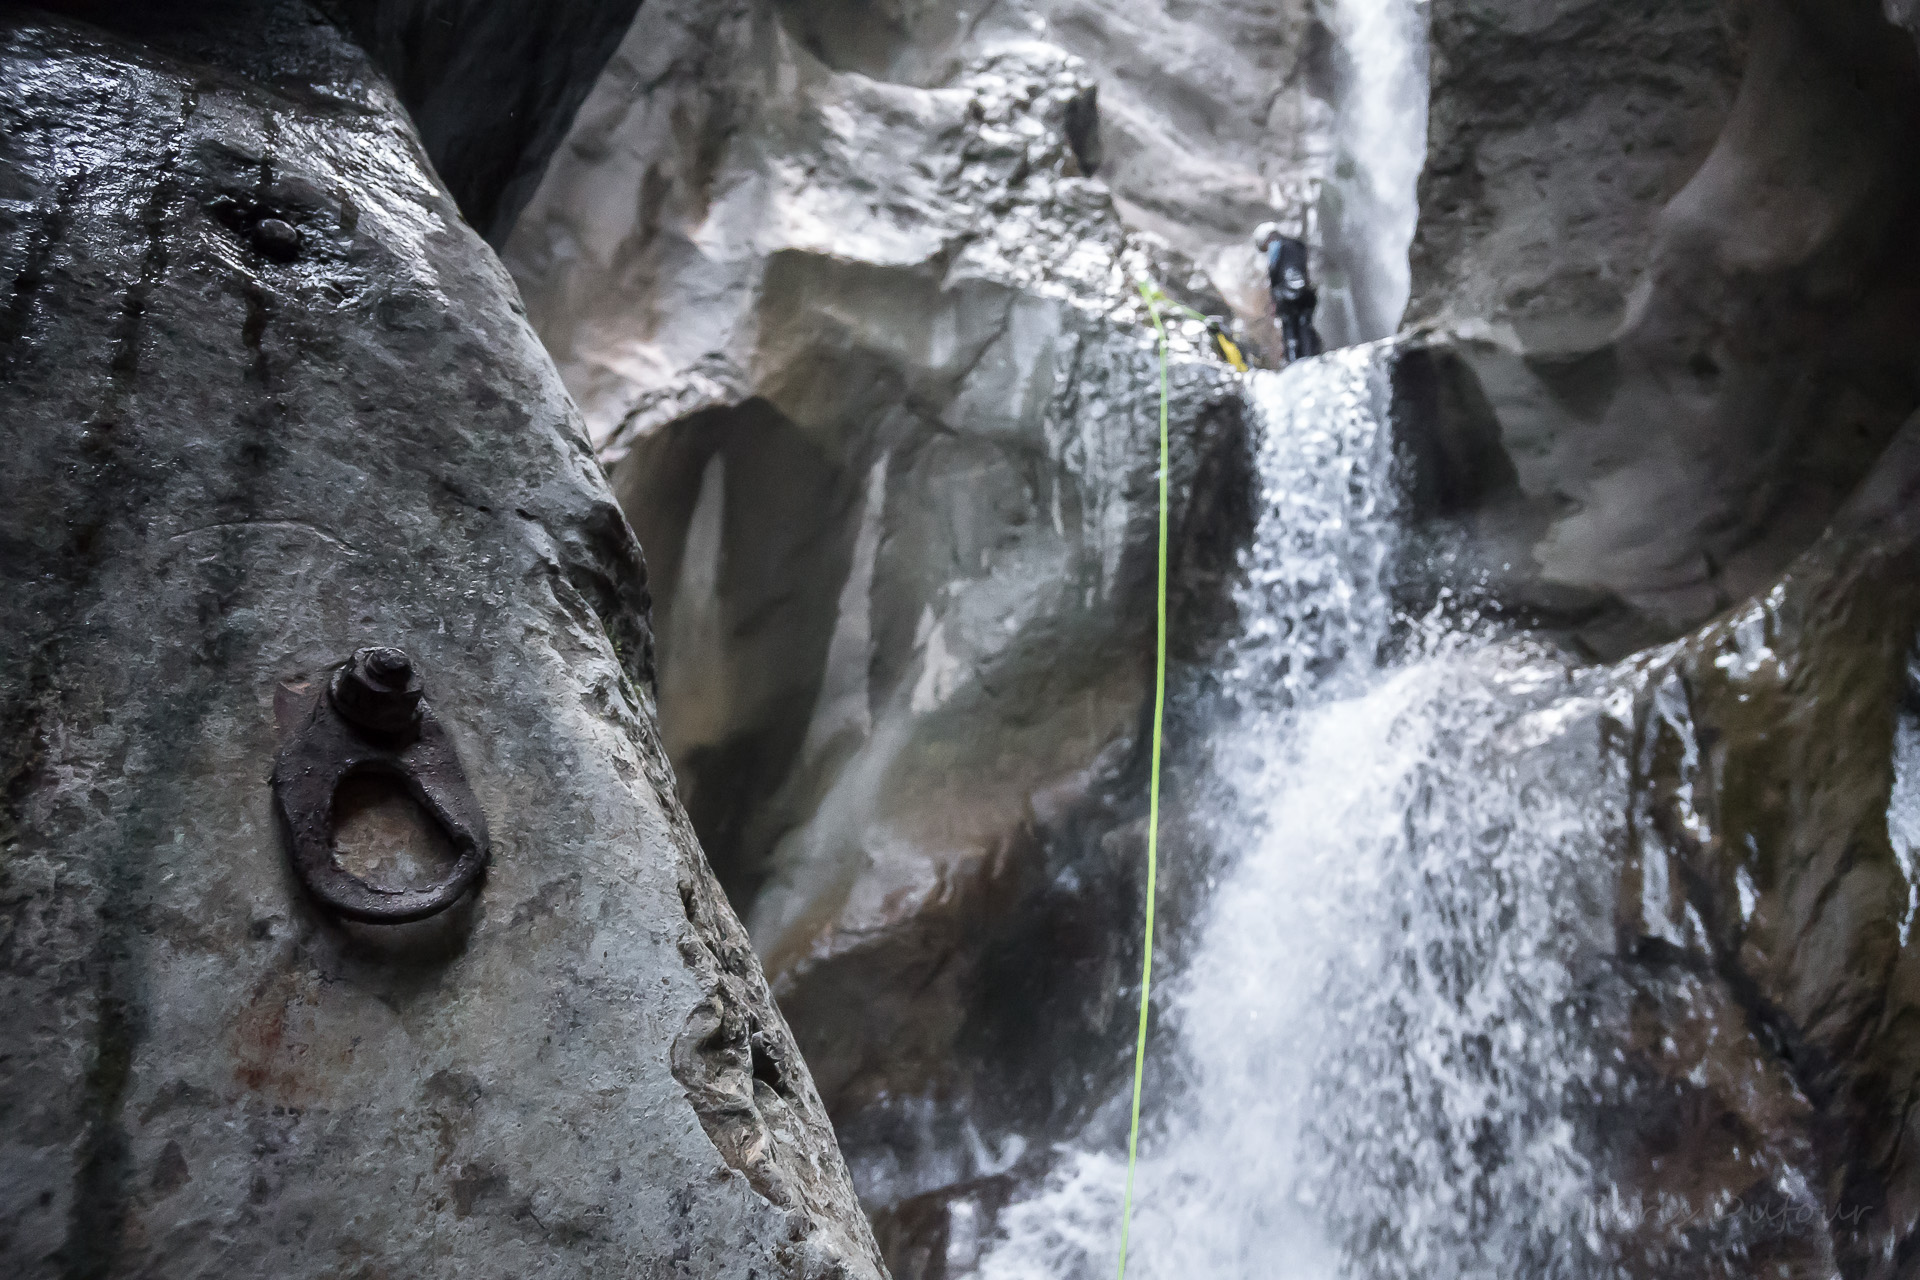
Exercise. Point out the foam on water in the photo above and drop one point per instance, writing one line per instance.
(1373, 1053)
(1317, 610)
(1377, 1041)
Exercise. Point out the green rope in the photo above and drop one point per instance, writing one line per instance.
(1152, 296)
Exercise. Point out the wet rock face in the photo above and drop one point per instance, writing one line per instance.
(842, 290)
(270, 400)
(491, 87)
(1768, 895)
(1670, 336)
(852, 306)
(1667, 264)
(1668, 355)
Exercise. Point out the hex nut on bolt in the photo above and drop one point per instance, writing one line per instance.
(379, 691)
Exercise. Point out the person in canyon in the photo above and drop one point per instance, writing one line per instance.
(1294, 296)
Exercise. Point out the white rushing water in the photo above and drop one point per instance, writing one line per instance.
(1378, 1032)
(1370, 206)
(1373, 1050)
(1903, 808)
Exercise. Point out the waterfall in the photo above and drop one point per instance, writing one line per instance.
(1370, 205)
(1375, 1052)
(1317, 609)
(1376, 1055)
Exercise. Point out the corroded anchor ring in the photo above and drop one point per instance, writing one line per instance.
(373, 718)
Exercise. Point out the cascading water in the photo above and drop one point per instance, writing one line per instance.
(1375, 1057)
(1377, 1049)
(1369, 207)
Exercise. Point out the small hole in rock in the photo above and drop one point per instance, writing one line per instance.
(383, 836)
(766, 1068)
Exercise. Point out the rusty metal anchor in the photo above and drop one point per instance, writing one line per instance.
(373, 718)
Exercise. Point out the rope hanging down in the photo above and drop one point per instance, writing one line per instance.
(1151, 294)
(1153, 297)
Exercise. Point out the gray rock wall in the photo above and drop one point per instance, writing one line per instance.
(1669, 254)
(1211, 119)
(230, 466)
(1666, 382)
(852, 307)
(491, 87)
(1762, 889)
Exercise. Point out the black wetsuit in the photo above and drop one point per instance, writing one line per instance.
(1294, 297)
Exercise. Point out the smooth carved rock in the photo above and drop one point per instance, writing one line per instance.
(835, 280)
(1669, 265)
(862, 342)
(231, 466)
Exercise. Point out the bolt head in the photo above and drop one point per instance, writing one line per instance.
(277, 239)
(389, 665)
(379, 691)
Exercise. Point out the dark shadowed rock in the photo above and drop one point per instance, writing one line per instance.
(1767, 753)
(237, 455)
(491, 85)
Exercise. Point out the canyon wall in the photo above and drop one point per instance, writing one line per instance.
(270, 400)
(845, 294)
(1662, 282)
(843, 288)
(1663, 259)
(848, 295)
